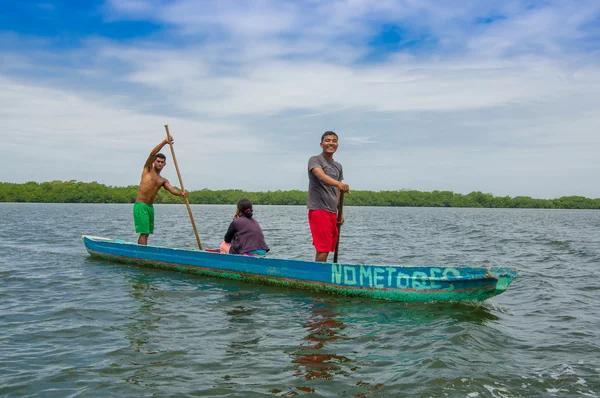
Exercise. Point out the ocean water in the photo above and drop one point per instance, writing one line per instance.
(75, 326)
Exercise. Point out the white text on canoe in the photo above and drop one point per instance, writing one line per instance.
(390, 277)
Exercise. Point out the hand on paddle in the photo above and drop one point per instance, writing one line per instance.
(183, 191)
(344, 187)
(341, 221)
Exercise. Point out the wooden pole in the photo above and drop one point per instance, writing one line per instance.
(339, 219)
(187, 202)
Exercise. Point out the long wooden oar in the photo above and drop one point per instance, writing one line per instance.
(187, 202)
(339, 220)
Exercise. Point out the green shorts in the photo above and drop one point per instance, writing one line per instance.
(143, 218)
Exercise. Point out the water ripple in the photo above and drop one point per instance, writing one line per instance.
(74, 326)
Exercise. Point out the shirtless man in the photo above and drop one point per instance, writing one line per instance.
(143, 209)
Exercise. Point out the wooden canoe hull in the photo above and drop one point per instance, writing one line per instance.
(388, 282)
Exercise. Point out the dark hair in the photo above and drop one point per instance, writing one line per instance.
(245, 207)
(160, 155)
(325, 134)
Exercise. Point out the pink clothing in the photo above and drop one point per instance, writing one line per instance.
(224, 248)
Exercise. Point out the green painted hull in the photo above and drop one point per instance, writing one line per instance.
(387, 282)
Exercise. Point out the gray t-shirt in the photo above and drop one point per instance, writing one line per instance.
(320, 195)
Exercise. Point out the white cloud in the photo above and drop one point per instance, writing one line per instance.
(58, 134)
(507, 106)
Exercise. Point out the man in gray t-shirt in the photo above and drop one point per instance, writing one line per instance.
(325, 177)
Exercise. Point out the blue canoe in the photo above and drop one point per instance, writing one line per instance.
(389, 282)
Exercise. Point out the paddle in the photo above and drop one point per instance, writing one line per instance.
(339, 219)
(187, 202)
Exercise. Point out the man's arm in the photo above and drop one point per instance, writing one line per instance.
(156, 150)
(324, 178)
(174, 190)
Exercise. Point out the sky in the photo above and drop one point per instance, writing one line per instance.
(501, 97)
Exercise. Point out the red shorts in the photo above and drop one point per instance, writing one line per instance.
(324, 229)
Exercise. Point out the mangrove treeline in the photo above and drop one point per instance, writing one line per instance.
(93, 192)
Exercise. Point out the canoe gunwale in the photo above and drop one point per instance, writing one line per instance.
(495, 281)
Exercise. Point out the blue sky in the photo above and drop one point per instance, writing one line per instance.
(492, 96)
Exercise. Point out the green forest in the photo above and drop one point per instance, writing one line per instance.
(94, 192)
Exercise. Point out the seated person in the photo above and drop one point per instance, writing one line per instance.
(244, 235)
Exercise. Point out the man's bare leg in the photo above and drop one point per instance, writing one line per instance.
(143, 239)
(321, 257)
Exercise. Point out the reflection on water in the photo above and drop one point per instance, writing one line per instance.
(242, 318)
(144, 321)
(384, 313)
(315, 357)
(140, 328)
(94, 328)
